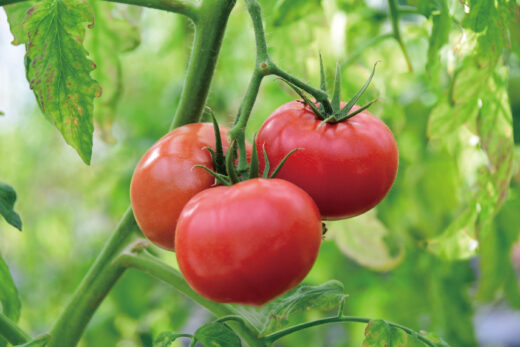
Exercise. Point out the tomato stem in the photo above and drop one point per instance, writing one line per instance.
(338, 319)
(264, 67)
(12, 332)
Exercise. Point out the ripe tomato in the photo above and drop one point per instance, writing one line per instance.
(165, 179)
(249, 242)
(347, 167)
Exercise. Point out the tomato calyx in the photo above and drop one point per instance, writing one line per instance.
(337, 114)
(226, 170)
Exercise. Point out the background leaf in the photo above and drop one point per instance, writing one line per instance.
(367, 241)
(116, 32)
(7, 200)
(9, 300)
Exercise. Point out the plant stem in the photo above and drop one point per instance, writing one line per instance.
(211, 20)
(12, 332)
(263, 67)
(85, 300)
(185, 7)
(281, 333)
(154, 267)
(394, 17)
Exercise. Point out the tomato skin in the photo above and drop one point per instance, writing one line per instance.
(347, 167)
(165, 179)
(248, 243)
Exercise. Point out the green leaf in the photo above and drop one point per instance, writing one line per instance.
(9, 300)
(58, 69)
(217, 334)
(40, 341)
(116, 32)
(379, 333)
(367, 241)
(459, 240)
(167, 338)
(437, 341)
(7, 200)
(305, 297)
(15, 15)
(288, 11)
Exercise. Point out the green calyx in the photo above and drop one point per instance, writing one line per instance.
(226, 170)
(337, 114)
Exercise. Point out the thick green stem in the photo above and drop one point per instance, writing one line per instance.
(155, 268)
(338, 319)
(85, 300)
(211, 20)
(10, 331)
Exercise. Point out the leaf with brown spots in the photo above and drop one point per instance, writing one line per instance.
(15, 15)
(58, 69)
(379, 333)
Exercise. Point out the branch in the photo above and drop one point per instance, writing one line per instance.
(185, 7)
(281, 333)
(93, 288)
(12, 332)
(152, 266)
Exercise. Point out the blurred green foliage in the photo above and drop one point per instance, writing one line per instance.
(431, 253)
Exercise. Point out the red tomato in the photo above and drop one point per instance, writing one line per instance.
(347, 167)
(248, 243)
(165, 179)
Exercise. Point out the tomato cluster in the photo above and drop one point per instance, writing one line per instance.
(252, 241)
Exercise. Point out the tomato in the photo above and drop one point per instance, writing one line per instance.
(165, 179)
(249, 242)
(347, 167)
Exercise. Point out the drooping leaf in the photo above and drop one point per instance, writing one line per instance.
(288, 11)
(15, 15)
(323, 297)
(216, 334)
(116, 32)
(166, 339)
(367, 241)
(379, 333)
(58, 69)
(7, 201)
(9, 300)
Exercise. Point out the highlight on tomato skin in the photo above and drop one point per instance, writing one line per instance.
(248, 243)
(346, 167)
(165, 179)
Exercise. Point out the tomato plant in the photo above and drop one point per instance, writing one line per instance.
(347, 167)
(434, 255)
(229, 258)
